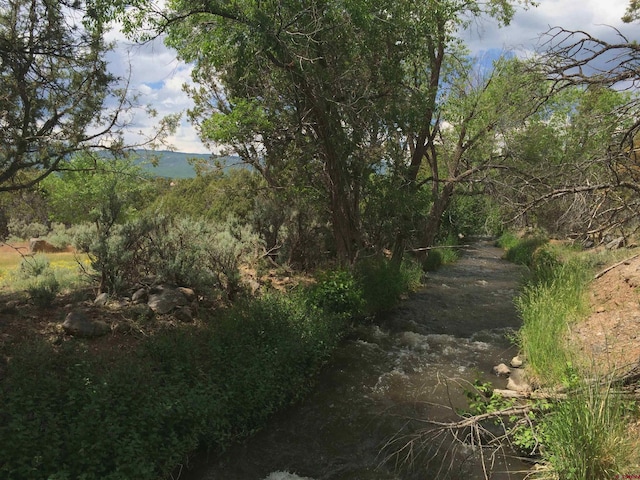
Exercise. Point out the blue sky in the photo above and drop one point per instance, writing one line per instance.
(157, 76)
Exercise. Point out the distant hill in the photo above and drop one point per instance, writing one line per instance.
(176, 165)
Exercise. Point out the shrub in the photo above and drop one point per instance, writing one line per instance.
(43, 289)
(383, 282)
(31, 267)
(60, 237)
(71, 413)
(24, 230)
(337, 292)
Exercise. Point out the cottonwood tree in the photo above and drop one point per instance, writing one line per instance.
(328, 96)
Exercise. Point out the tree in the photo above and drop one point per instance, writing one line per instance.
(321, 96)
(97, 190)
(633, 12)
(56, 93)
(600, 68)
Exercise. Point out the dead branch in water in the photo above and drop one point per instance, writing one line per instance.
(488, 435)
(424, 249)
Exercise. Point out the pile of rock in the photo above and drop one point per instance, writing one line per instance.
(517, 381)
(145, 304)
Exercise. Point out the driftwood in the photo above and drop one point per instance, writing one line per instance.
(600, 274)
(424, 249)
(532, 395)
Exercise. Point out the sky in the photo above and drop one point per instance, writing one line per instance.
(157, 77)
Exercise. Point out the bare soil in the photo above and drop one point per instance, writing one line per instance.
(610, 336)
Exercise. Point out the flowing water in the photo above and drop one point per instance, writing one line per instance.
(388, 377)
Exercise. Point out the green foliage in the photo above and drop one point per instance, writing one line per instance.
(383, 282)
(527, 434)
(23, 230)
(116, 254)
(65, 415)
(98, 190)
(195, 253)
(547, 307)
(521, 250)
(586, 434)
(436, 257)
(39, 280)
(337, 292)
(59, 236)
(43, 289)
(31, 267)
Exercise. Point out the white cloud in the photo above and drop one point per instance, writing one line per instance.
(593, 16)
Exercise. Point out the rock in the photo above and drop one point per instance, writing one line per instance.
(10, 307)
(79, 324)
(615, 243)
(38, 245)
(188, 293)
(101, 300)
(166, 300)
(516, 362)
(139, 296)
(184, 314)
(141, 312)
(517, 382)
(502, 370)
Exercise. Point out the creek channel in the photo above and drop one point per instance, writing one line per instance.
(385, 378)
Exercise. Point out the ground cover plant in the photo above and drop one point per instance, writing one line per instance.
(78, 410)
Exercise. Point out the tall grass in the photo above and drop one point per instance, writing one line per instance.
(586, 436)
(547, 307)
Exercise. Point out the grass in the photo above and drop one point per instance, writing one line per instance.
(585, 436)
(547, 307)
(64, 265)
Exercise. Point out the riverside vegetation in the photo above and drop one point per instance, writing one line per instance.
(71, 411)
(583, 424)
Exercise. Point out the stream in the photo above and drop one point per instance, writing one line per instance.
(386, 378)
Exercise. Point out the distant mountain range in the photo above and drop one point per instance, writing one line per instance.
(176, 164)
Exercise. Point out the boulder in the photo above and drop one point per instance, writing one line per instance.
(502, 370)
(166, 300)
(79, 324)
(516, 362)
(184, 314)
(188, 293)
(139, 296)
(518, 382)
(140, 312)
(101, 300)
(39, 245)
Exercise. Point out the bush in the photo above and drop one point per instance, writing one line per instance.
(31, 267)
(383, 282)
(523, 250)
(337, 292)
(66, 415)
(60, 237)
(43, 289)
(23, 230)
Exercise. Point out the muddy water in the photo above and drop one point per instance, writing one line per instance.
(386, 378)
